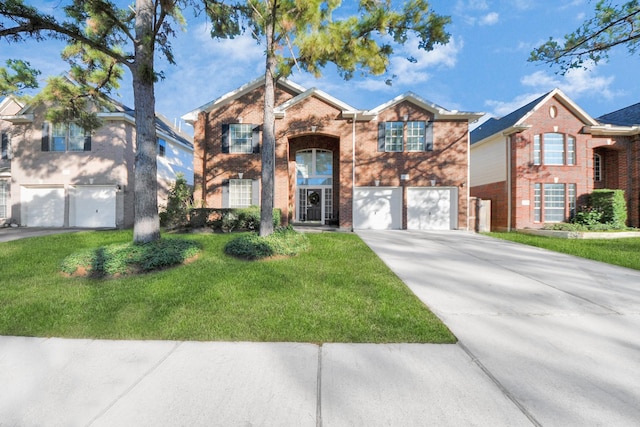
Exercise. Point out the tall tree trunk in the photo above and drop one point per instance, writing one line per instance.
(268, 138)
(146, 226)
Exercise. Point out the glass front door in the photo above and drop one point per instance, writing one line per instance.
(314, 181)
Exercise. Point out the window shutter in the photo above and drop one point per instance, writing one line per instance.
(225, 193)
(381, 133)
(255, 192)
(428, 136)
(225, 138)
(5, 146)
(87, 142)
(255, 140)
(45, 136)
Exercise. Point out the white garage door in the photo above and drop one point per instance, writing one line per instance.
(377, 208)
(92, 206)
(432, 208)
(42, 207)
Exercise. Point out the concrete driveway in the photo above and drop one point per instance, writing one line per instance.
(15, 233)
(558, 334)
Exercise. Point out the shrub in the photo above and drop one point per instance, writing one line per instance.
(228, 220)
(127, 258)
(179, 201)
(587, 216)
(284, 241)
(613, 207)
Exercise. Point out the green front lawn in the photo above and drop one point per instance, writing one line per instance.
(338, 291)
(624, 252)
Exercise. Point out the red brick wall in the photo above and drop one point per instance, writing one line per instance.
(497, 193)
(447, 164)
(525, 174)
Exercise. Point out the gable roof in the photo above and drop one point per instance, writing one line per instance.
(516, 120)
(119, 112)
(628, 116)
(346, 109)
(192, 116)
(437, 111)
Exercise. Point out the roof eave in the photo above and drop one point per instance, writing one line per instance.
(611, 130)
(20, 118)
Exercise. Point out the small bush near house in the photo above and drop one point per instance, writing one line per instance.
(284, 241)
(241, 219)
(179, 201)
(607, 210)
(129, 258)
(613, 207)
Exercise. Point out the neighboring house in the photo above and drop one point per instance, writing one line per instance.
(403, 164)
(537, 164)
(61, 176)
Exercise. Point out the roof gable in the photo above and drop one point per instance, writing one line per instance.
(225, 99)
(437, 111)
(346, 109)
(517, 120)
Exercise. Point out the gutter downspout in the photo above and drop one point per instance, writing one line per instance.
(353, 165)
(467, 178)
(509, 207)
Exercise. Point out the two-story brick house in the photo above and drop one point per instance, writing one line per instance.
(58, 175)
(538, 163)
(403, 164)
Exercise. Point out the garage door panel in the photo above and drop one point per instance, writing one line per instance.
(42, 207)
(93, 207)
(431, 208)
(377, 208)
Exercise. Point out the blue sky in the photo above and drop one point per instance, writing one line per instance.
(484, 68)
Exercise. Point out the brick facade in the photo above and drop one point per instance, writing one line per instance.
(556, 114)
(318, 121)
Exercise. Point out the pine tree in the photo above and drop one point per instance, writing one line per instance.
(303, 34)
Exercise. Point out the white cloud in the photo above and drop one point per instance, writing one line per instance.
(502, 108)
(409, 73)
(577, 83)
(491, 18)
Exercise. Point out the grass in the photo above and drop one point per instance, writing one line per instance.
(623, 252)
(318, 296)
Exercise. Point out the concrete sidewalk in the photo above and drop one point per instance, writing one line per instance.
(61, 382)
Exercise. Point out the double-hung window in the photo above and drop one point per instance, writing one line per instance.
(405, 136)
(240, 193)
(393, 136)
(162, 147)
(240, 138)
(5, 146)
(65, 137)
(554, 149)
(4, 197)
(552, 202)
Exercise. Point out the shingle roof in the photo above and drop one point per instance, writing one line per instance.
(493, 126)
(627, 116)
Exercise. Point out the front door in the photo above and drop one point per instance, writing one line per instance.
(314, 204)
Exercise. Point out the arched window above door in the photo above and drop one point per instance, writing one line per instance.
(314, 167)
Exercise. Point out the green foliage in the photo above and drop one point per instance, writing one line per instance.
(128, 258)
(284, 241)
(228, 220)
(612, 25)
(23, 77)
(179, 203)
(612, 205)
